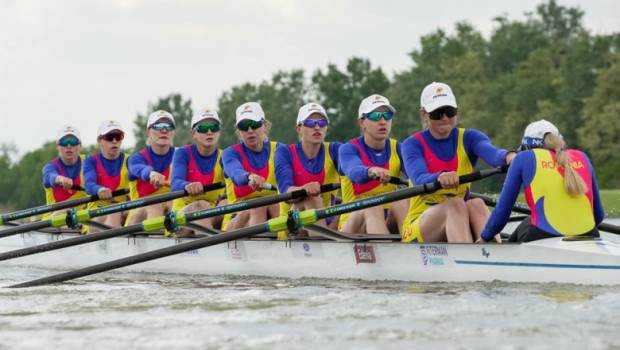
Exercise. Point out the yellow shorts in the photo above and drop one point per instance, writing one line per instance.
(411, 225)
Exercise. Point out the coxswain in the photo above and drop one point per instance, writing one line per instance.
(443, 152)
(249, 167)
(560, 189)
(149, 168)
(197, 165)
(309, 163)
(106, 171)
(366, 164)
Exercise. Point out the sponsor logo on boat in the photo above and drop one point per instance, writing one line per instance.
(306, 248)
(364, 254)
(192, 252)
(485, 253)
(433, 255)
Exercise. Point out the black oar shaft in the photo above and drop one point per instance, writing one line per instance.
(156, 254)
(43, 209)
(33, 226)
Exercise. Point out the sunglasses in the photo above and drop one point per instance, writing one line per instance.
(207, 127)
(162, 127)
(312, 123)
(248, 124)
(113, 136)
(69, 141)
(376, 116)
(448, 111)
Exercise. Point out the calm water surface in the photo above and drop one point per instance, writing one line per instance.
(161, 311)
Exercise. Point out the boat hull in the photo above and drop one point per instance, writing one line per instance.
(549, 260)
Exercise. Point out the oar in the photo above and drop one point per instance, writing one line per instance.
(72, 219)
(304, 218)
(42, 209)
(522, 209)
(170, 222)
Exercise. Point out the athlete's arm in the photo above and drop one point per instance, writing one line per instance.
(233, 168)
(351, 165)
(415, 165)
(179, 170)
(597, 205)
(49, 175)
(138, 168)
(479, 144)
(90, 176)
(508, 197)
(284, 168)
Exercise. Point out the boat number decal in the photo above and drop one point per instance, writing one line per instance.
(364, 254)
(433, 255)
(485, 253)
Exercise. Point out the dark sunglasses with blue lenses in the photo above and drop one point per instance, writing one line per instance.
(162, 127)
(248, 124)
(68, 141)
(448, 111)
(312, 123)
(376, 116)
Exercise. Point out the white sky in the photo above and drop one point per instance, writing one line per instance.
(81, 62)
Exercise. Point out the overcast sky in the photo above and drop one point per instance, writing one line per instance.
(81, 62)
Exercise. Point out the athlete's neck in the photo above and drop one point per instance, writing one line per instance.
(110, 156)
(160, 150)
(437, 135)
(205, 150)
(373, 143)
(311, 150)
(69, 161)
(257, 147)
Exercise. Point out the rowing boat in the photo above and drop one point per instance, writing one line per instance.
(548, 260)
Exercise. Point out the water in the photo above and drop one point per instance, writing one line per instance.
(162, 311)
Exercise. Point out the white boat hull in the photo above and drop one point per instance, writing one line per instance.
(549, 260)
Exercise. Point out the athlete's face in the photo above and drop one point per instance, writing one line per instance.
(378, 130)
(203, 133)
(110, 144)
(253, 138)
(161, 135)
(440, 128)
(69, 154)
(312, 134)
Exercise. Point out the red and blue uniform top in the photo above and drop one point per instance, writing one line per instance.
(185, 160)
(101, 172)
(141, 164)
(554, 211)
(55, 168)
(351, 164)
(296, 169)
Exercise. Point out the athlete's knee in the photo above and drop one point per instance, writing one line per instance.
(476, 205)
(457, 205)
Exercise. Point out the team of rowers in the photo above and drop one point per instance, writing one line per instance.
(559, 183)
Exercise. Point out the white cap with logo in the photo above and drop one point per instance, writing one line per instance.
(249, 110)
(109, 126)
(373, 102)
(534, 135)
(309, 109)
(437, 95)
(68, 130)
(157, 116)
(205, 114)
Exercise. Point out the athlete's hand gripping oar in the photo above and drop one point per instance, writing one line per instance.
(306, 217)
(42, 209)
(522, 209)
(73, 218)
(170, 221)
(179, 218)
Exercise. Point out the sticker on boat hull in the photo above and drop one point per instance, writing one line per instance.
(433, 255)
(364, 254)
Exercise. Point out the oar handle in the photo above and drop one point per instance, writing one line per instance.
(301, 193)
(115, 193)
(395, 180)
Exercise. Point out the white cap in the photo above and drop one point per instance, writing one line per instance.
(157, 116)
(107, 126)
(204, 114)
(437, 95)
(68, 130)
(373, 102)
(534, 135)
(309, 109)
(249, 110)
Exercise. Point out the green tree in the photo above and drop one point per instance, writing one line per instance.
(7, 151)
(341, 92)
(26, 177)
(180, 108)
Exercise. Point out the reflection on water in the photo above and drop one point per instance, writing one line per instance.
(159, 311)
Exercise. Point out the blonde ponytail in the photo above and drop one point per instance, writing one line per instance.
(573, 183)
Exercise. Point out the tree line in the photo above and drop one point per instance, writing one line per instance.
(545, 66)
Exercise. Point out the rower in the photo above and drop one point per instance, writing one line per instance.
(309, 163)
(149, 168)
(197, 165)
(560, 188)
(62, 176)
(107, 171)
(366, 164)
(442, 152)
(249, 166)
